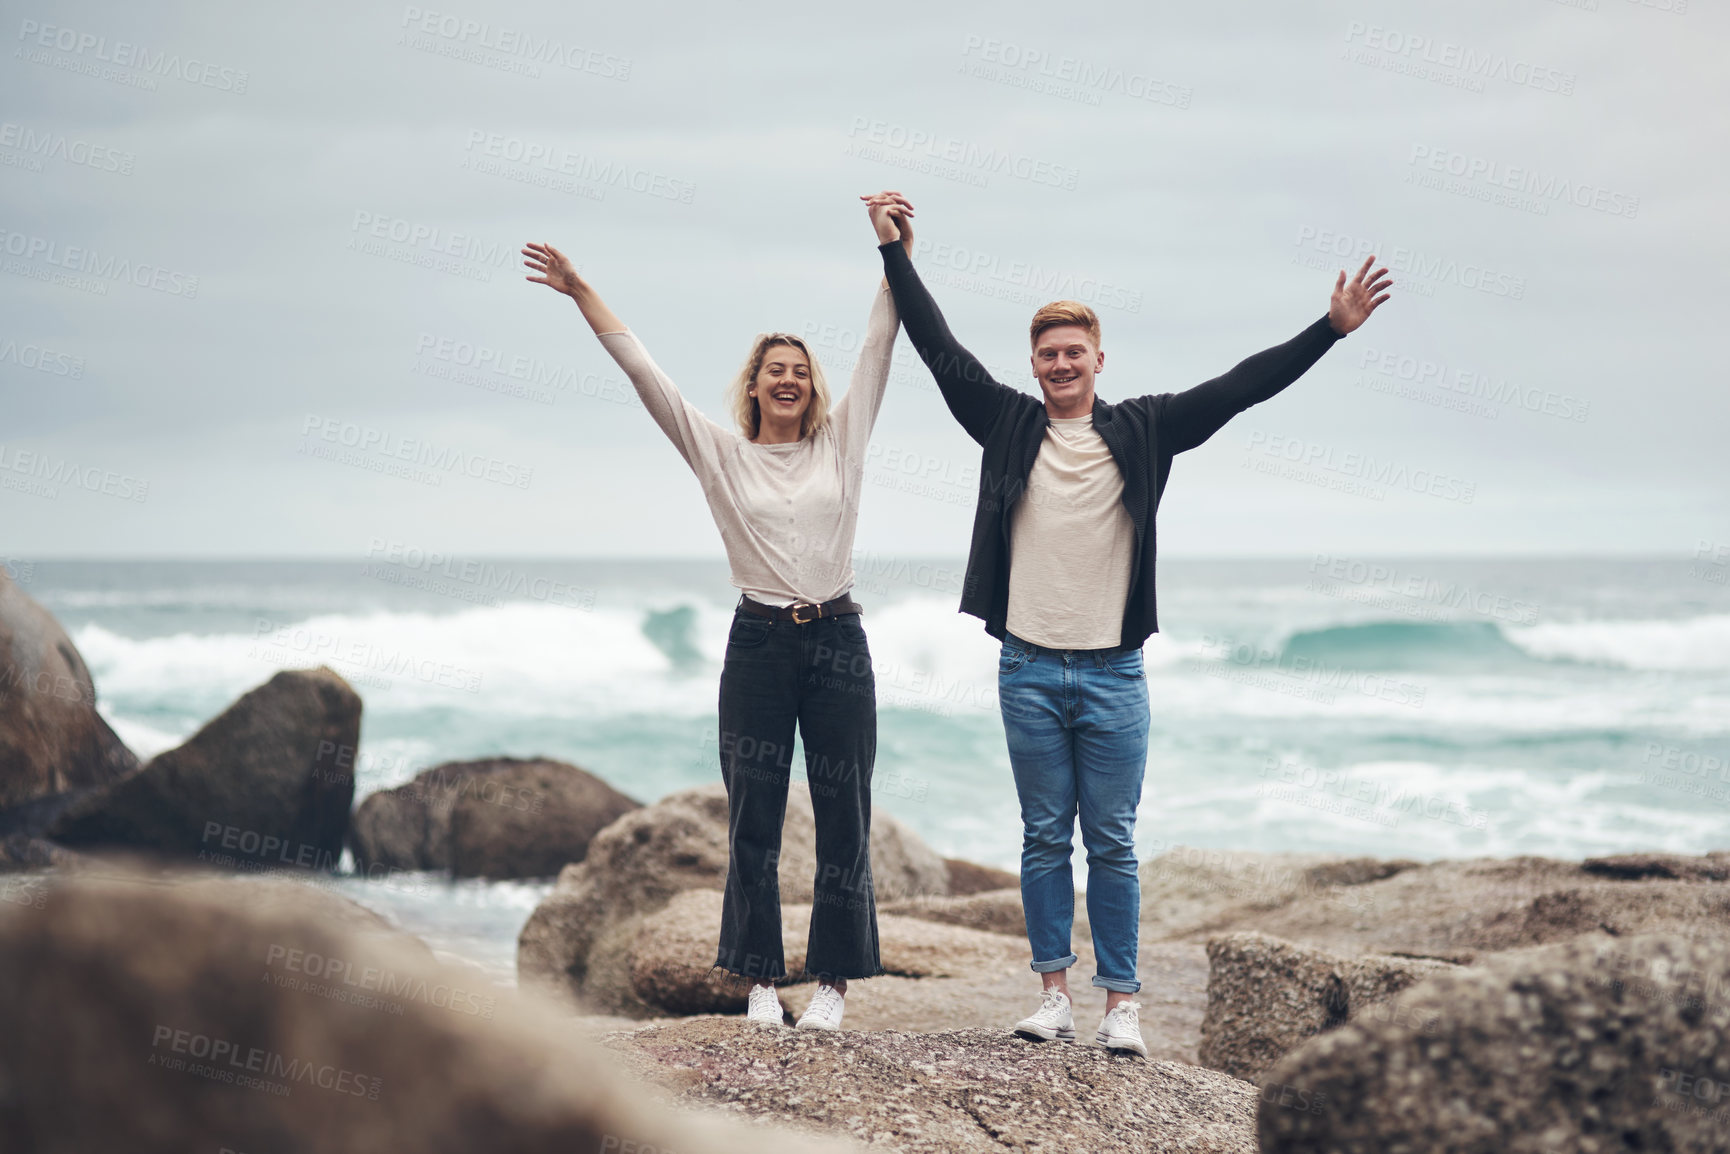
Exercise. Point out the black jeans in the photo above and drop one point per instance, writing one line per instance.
(817, 675)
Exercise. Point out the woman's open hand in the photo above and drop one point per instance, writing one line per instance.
(557, 273)
(555, 269)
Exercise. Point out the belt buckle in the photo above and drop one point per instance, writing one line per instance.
(816, 611)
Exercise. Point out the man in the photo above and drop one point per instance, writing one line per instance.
(1061, 569)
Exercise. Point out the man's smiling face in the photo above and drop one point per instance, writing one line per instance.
(1065, 360)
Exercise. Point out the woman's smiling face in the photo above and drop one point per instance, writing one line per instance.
(783, 384)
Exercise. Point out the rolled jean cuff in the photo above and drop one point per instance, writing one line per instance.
(1118, 985)
(1053, 967)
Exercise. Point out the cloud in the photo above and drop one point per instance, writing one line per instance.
(347, 189)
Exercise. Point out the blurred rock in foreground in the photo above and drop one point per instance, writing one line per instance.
(146, 1015)
(1595, 1046)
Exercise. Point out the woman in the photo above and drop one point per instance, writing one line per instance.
(784, 491)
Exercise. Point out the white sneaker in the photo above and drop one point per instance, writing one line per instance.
(1052, 1022)
(824, 1012)
(1120, 1029)
(765, 1007)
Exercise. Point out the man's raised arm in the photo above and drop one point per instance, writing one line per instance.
(1192, 416)
(972, 395)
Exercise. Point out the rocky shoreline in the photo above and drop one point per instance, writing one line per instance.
(156, 993)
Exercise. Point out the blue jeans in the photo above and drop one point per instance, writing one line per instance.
(1077, 722)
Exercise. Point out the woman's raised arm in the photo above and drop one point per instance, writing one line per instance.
(558, 274)
(856, 412)
(697, 438)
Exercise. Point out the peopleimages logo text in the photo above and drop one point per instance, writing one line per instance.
(88, 261)
(1084, 75)
(580, 166)
(443, 242)
(1525, 179)
(47, 468)
(123, 54)
(43, 360)
(1042, 283)
(1412, 262)
(1470, 62)
(46, 144)
(1361, 466)
(444, 458)
(964, 154)
(515, 42)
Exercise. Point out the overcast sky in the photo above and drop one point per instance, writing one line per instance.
(249, 249)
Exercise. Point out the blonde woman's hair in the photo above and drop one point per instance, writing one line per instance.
(744, 405)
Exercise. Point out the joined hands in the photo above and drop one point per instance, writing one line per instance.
(892, 216)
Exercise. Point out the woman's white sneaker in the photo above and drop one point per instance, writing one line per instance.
(824, 1012)
(1120, 1029)
(765, 1006)
(1052, 1022)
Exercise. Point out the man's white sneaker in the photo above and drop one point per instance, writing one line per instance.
(824, 1012)
(1052, 1022)
(1120, 1029)
(765, 1006)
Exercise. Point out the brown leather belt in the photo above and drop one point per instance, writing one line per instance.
(800, 612)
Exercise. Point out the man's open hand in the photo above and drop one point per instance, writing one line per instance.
(1353, 303)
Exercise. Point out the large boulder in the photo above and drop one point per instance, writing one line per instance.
(968, 877)
(1459, 910)
(1266, 996)
(1188, 891)
(671, 956)
(266, 784)
(152, 1017)
(52, 740)
(503, 817)
(1451, 910)
(957, 1090)
(994, 911)
(636, 865)
(902, 865)
(1598, 1045)
(1711, 867)
(669, 961)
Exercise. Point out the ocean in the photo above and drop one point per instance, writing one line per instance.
(1404, 707)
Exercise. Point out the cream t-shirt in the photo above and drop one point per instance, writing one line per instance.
(1071, 543)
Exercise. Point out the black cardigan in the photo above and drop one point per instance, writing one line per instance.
(1143, 434)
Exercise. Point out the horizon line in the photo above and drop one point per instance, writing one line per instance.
(721, 559)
